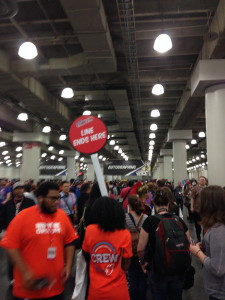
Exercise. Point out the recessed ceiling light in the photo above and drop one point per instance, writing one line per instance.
(22, 117)
(67, 93)
(61, 151)
(43, 154)
(112, 142)
(28, 50)
(100, 157)
(187, 147)
(52, 157)
(5, 152)
(162, 43)
(193, 142)
(2, 144)
(155, 113)
(50, 148)
(152, 143)
(116, 147)
(18, 149)
(60, 159)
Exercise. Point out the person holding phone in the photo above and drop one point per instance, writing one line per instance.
(211, 252)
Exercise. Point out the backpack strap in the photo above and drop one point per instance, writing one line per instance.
(126, 195)
(138, 223)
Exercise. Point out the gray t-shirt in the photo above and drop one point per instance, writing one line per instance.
(214, 263)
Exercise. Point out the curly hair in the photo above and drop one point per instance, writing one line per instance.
(108, 214)
(212, 206)
(142, 190)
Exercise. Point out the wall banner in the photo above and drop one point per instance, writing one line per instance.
(123, 167)
(53, 167)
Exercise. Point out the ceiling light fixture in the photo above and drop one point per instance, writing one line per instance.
(86, 113)
(116, 147)
(152, 143)
(155, 113)
(201, 134)
(158, 89)
(187, 147)
(46, 129)
(2, 144)
(151, 147)
(163, 43)
(60, 159)
(193, 142)
(153, 127)
(112, 142)
(52, 157)
(120, 151)
(62, 137)
(61, 151)
(22, 117)
(100, 157)
(152, 135)
(43, 154)
(27, 50)
(18, 149)
(67, 93)
(5, 152)
(50, 148)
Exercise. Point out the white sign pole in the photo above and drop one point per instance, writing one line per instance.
(99, 174)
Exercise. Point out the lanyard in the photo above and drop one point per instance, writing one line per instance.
(17, 205)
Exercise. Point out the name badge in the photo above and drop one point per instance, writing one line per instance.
(51, 253)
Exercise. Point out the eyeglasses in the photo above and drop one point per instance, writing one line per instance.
(53, 199)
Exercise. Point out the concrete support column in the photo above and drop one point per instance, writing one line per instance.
(161, 167)
(215, 133)
(167, 160)
(90, 173)
(30, 162)
(71, 167)
(31, 153)
(179, 161)
(179, 137)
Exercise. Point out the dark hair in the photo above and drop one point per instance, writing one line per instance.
(135, 204)
(130, 183)
(85, 187)
(44, 188)
(95, 191)
(161, 198)
(64, 181)
(212, 205)
(160, 183)
(108, 214)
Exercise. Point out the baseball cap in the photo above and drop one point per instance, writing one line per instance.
(18, 184)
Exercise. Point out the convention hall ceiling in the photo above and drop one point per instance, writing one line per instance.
(104, 51)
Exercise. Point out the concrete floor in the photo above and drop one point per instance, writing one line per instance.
(195, 293)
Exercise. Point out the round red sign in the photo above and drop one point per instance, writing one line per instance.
(88, 134)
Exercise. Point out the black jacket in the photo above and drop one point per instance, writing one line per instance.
(8, 211)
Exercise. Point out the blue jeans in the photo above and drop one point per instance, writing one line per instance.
(169, 287)
(137, 280)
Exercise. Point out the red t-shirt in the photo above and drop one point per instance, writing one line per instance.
(107, 278)
(32, 233)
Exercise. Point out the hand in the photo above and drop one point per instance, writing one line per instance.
(194, 248)
(144, 267)
(65, 274)
(29, 280)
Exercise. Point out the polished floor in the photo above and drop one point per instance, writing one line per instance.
(195, 293)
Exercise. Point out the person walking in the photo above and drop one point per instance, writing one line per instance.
(108, 245)
(40, 243)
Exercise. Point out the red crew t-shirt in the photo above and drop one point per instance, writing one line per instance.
(32, 233)
(107, 278)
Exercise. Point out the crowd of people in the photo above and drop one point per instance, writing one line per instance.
(132, 238)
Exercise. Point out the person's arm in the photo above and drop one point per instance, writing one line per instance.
(18, 262)
(196, 250)
(125, 263)
(68, 254)
(142, 243)
(7, 198)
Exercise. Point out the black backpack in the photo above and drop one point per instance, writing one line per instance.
(172, 254)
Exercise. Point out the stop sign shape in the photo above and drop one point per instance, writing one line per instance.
(88, 134)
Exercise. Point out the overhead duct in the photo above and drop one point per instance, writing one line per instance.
(89, 21)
